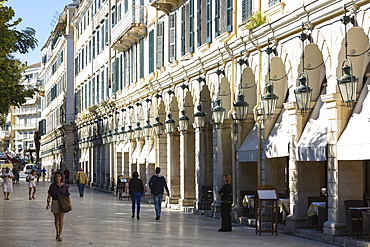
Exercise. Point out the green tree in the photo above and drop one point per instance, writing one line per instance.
(13, 41)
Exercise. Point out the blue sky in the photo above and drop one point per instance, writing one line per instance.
(38, 14)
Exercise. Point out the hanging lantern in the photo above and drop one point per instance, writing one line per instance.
(148, 129)
(218, 112)
(122, 134)
(199, 117)
(241, 108)
(269, 100)
(303, 93)
(347, 85)
(183, 121)
(158, 127)
(169, 124)
(130, 133)
(138, 131)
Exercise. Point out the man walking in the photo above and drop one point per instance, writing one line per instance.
(157, 184)
(81, 180)
(66, 175)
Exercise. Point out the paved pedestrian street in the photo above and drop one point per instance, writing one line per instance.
(100, 219)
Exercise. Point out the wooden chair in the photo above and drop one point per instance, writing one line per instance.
(352, 220)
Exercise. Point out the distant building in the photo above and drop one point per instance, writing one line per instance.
(25, 118)
(56, 82)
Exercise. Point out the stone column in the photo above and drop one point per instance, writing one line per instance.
(298, 199)
(187, 168)
(173, 168)
(345, 178)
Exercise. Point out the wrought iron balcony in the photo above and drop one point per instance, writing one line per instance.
(167, 6)
(130, 29)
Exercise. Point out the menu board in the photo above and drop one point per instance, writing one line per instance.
(267, 194)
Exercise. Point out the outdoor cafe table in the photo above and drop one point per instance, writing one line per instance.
(359, 216)
(314, 208)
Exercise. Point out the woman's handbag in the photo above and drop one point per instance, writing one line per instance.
(64, 205)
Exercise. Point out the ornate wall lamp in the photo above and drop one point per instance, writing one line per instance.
(199, 116)
(122, 134)
(218, 112)
(269, 99)
(130, 132)
(169, 123)
(347, 84)
(148, 128)
(116, 134)
(303, 92)
(240, 106)
(138, 129)
(183, 120)
(158, 126)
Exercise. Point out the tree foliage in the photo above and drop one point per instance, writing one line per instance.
(13, 41)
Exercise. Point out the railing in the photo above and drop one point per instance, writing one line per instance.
(135, 16)
(26, 110)
(24, 126)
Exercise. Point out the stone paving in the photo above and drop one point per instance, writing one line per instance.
(100, 219)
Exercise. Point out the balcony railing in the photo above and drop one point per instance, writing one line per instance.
(130, 29)
(24, 126)
(167, 6)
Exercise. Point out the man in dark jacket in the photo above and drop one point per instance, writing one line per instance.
(157, 184)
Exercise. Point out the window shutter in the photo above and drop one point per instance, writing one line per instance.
(151, 51)
(120, 71)
(172, 41)
(229, 15)
(93, 91)
(273, 2)
(141, 59)
(199, 23)
(183, 44)
(106, 31)
(102, 36)
(103, 88)
(191, 26)
(107, 81)
(134, 63)
(97, 42)
(160, 44)
(217, 18)
(93, 47)
(117, 74)
(113, 78)
(98, 88)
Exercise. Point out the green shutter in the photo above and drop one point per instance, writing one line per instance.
(191, 26)
(160, 44)
(229, 15)
(199, 23)
(141, 59)
(217, 18)
(183, 44)
(151, 51)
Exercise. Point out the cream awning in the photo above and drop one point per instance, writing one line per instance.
(248, 150)
(277, 144)
(354, 143)
(313, 142)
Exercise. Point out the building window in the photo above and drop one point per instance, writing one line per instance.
(141, 58)
(246, 10)
(151, 51)
(160, 44)
(273, 2)
(172, 37)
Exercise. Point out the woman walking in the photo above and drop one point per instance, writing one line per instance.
(226, 193)
(31, 184)
(58, 187)
(7, 175)
(136, 189)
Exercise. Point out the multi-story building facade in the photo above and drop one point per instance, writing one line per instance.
(27, 116)
(144, 65)
(56, 82)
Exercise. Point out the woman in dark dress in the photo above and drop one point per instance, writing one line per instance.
(226, 193)
(136, 189)
(58, 187)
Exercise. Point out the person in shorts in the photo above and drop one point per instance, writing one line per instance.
(31, 179)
